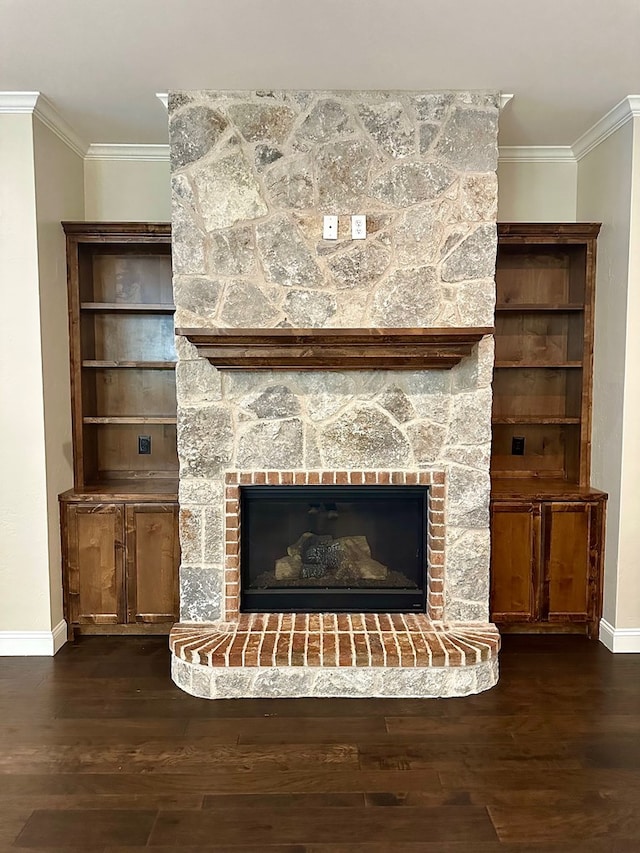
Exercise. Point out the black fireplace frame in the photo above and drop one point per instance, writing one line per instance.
(333, 599)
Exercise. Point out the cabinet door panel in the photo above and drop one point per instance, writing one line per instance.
(515, 548)
(95, 564)
(568, 561)
(153, 558)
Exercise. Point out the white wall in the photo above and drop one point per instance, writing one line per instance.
(542, 191)
(628, 615)
(41, 182)
(127, 190)
(608, 191)
(59, 184)
(24, 540)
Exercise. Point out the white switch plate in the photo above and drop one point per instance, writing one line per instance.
(358, 227)
(330, 228)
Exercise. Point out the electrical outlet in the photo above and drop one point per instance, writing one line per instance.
(144, 445)
(517, 445)
(359, 227)
(330, 228)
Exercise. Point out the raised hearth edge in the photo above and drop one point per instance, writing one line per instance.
(329, 655)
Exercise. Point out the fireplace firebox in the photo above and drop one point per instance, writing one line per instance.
(308, 549)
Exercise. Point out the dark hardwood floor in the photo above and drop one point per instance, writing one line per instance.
(100, 752)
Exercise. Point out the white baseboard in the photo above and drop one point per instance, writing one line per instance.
(620, 640)
(33, 643)
(59, 635)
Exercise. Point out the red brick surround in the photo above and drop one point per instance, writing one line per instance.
(435, 527)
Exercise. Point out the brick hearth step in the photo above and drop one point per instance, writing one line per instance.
(347, 654)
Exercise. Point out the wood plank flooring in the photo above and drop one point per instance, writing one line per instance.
(100, 752)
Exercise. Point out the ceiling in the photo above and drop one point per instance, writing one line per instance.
(568, 62)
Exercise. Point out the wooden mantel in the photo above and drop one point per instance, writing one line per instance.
(334, 349)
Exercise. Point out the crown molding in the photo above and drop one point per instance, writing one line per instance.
(535, 154)
(48, 115)
(18, 102)
(109, 151)
(33, 102)
(36, 104)
(616, 118)
(623, 112)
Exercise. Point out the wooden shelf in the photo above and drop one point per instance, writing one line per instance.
(129, 307)
(538, 488)
(129, 419)
(546, 234)
(554, 365)
(152, 365)
(533, 419)
(122, 233)
(532, 307)
(545, 277)
(156, 490)
(335, 349)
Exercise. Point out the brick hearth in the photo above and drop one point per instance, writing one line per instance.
(316, 654)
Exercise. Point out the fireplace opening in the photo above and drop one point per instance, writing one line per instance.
(333, 548)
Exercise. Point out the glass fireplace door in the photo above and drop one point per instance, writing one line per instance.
(333, 548)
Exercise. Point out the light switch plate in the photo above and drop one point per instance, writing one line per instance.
(358, 227)
(330, 228)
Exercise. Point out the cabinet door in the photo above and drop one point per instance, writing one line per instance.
(571, 561)
(515, 560)
(153, 559)
(95, 563)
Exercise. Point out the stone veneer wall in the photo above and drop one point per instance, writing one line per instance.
(252, 175)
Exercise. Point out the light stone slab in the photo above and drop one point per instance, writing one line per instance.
(200, 593)
(193, 132)
(365, 437)
(333, 682)
(327, 120)
(228, 192)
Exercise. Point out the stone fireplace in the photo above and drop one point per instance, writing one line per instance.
(334, 365)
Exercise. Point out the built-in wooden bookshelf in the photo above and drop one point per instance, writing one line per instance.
(119, 522)
(545, 279)
(547, 522)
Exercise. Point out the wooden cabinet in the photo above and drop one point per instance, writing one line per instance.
(515, 561)
(94, 564)
(547, 524)
(152, 560)
(546, 561)
(119, 522)
(120, 564)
